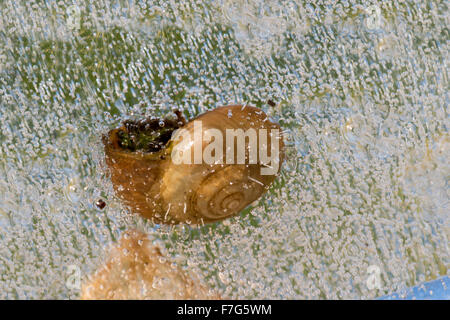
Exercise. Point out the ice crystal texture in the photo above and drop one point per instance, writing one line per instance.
(361, 207)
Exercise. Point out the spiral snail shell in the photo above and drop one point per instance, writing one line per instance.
(152, 181)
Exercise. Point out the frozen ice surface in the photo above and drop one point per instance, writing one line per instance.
(361, 208)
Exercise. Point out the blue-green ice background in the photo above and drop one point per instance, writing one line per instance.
(362, 92)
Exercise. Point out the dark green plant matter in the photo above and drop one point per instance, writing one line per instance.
(148, 135)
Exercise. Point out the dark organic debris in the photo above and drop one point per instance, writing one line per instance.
(271, 103)
(100, 204)
(150, 134)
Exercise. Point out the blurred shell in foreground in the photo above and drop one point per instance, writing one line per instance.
(137, 270)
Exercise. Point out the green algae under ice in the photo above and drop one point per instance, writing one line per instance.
(360, 208)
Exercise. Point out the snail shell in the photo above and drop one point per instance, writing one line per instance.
(136, 269)
(156, 187)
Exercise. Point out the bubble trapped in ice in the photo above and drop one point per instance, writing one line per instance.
(363, 105)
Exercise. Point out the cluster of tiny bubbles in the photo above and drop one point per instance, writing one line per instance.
(360, 90)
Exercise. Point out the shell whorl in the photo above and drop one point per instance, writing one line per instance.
(223, 193)
(202, 193)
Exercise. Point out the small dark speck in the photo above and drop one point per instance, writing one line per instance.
(100, 204)
(271, 103)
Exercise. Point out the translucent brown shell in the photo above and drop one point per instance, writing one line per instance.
(153, 186)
